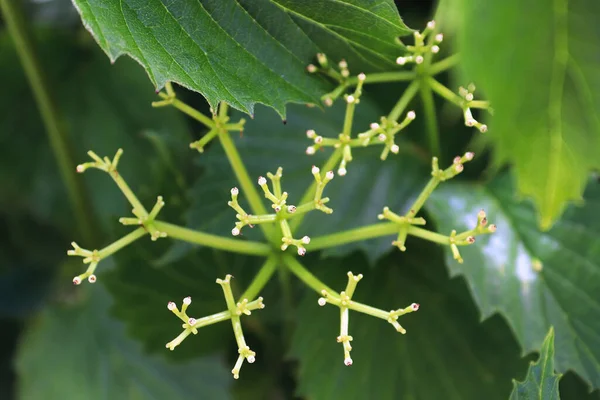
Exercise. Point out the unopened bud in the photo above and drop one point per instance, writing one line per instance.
(483, 128)
(431, 25)
(92, 278)
(382, 137)
(187, 301)
(419, 59)
(291, 209)
(469, 155)
(262, 180)
(234, 191)
(251, 359)
(328, 101)
(350, 99)
(235, 231)
(171, 306)
(435, 49)
(481, 213)
(470, 122)
(492, 228)
(459, 167)
(395, 149)
(77, 280)
(343, 64)
(374, 125)
(342, 171)
(329, 175)
(311, 134)
(414, 306)
(301, 251)
(469, 97)
(192, 321)
(471, 239)
(439, 37)
(315, 170)
(401, 60)
(310, 150)
(80, 168)
(306, 240)
(322, 301)
(319, 139)
(411, 115)
(361, 77)
(311, 68)
(348, 361)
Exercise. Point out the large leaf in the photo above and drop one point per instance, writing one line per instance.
(537, 63)
(445, 354)
(356, 198)
(535, 279)
(78, 352)
(245, 51)
(541, 383)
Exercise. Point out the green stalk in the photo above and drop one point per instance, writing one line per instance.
(424, 195)
(51, 117)
(352, 235)
(124, 241)
(402, 103)
(445, 92)
(260, 280)
(306, 276)
(214, 241)
(378, 77)
(444, 65)
(192, 112)
(430, 118)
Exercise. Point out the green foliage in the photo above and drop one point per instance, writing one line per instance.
(245, 52)
(77, 351)
(543, 82)
(541, 382)
(535, 279)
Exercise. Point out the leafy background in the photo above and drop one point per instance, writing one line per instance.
(480, 322)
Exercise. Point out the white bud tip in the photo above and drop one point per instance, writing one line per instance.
(301, 251)
(319, 139)
(492, 228)
(350, 99)
(328, 102)
(414, 306)
(315, 169)
(381, 137)
(439, 37)
(470, 122)
(235, 231)
(187, 301)
(322, 301)
(277, 209)
(361, 77)
(262, 180)
(251, 359)
(192, 321)
(469, 155)
(459, 167)
(435, 49)
(235, 191)
(483, 128)
(92, 278)
(80, 168)
(310, 150)
(343, 64)
(374, 125)
(419, 59)
(311, 133)
(431, 24)
(306, 240)
(395, 149)
(77, 281)
(471, 239)
(329, 175)
(345, 73)
(311, 68)
(469, 97)
(291, 209)
(342, 171)
(411, 115)
(171, 306)
(401, 60)
(481, 213)
(348, 361)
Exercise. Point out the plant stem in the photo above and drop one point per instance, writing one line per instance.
(402, 103)
(394, 76)
(430, 118)
(260, 280)
(214, 241)
(57, 135)
(306, 276)
(445, 92)
(424, 195)
(192, 112)
(352, 235)
(309, 193)
(444, 65)
(256, 204)
(124, 241)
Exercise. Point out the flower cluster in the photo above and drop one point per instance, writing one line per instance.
(421, 46)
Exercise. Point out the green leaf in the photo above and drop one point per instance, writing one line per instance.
(246, 52)
(534, 279)
(266, 144)
(541, 383)
(78, 352)
(537, 64)
(445, 354)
